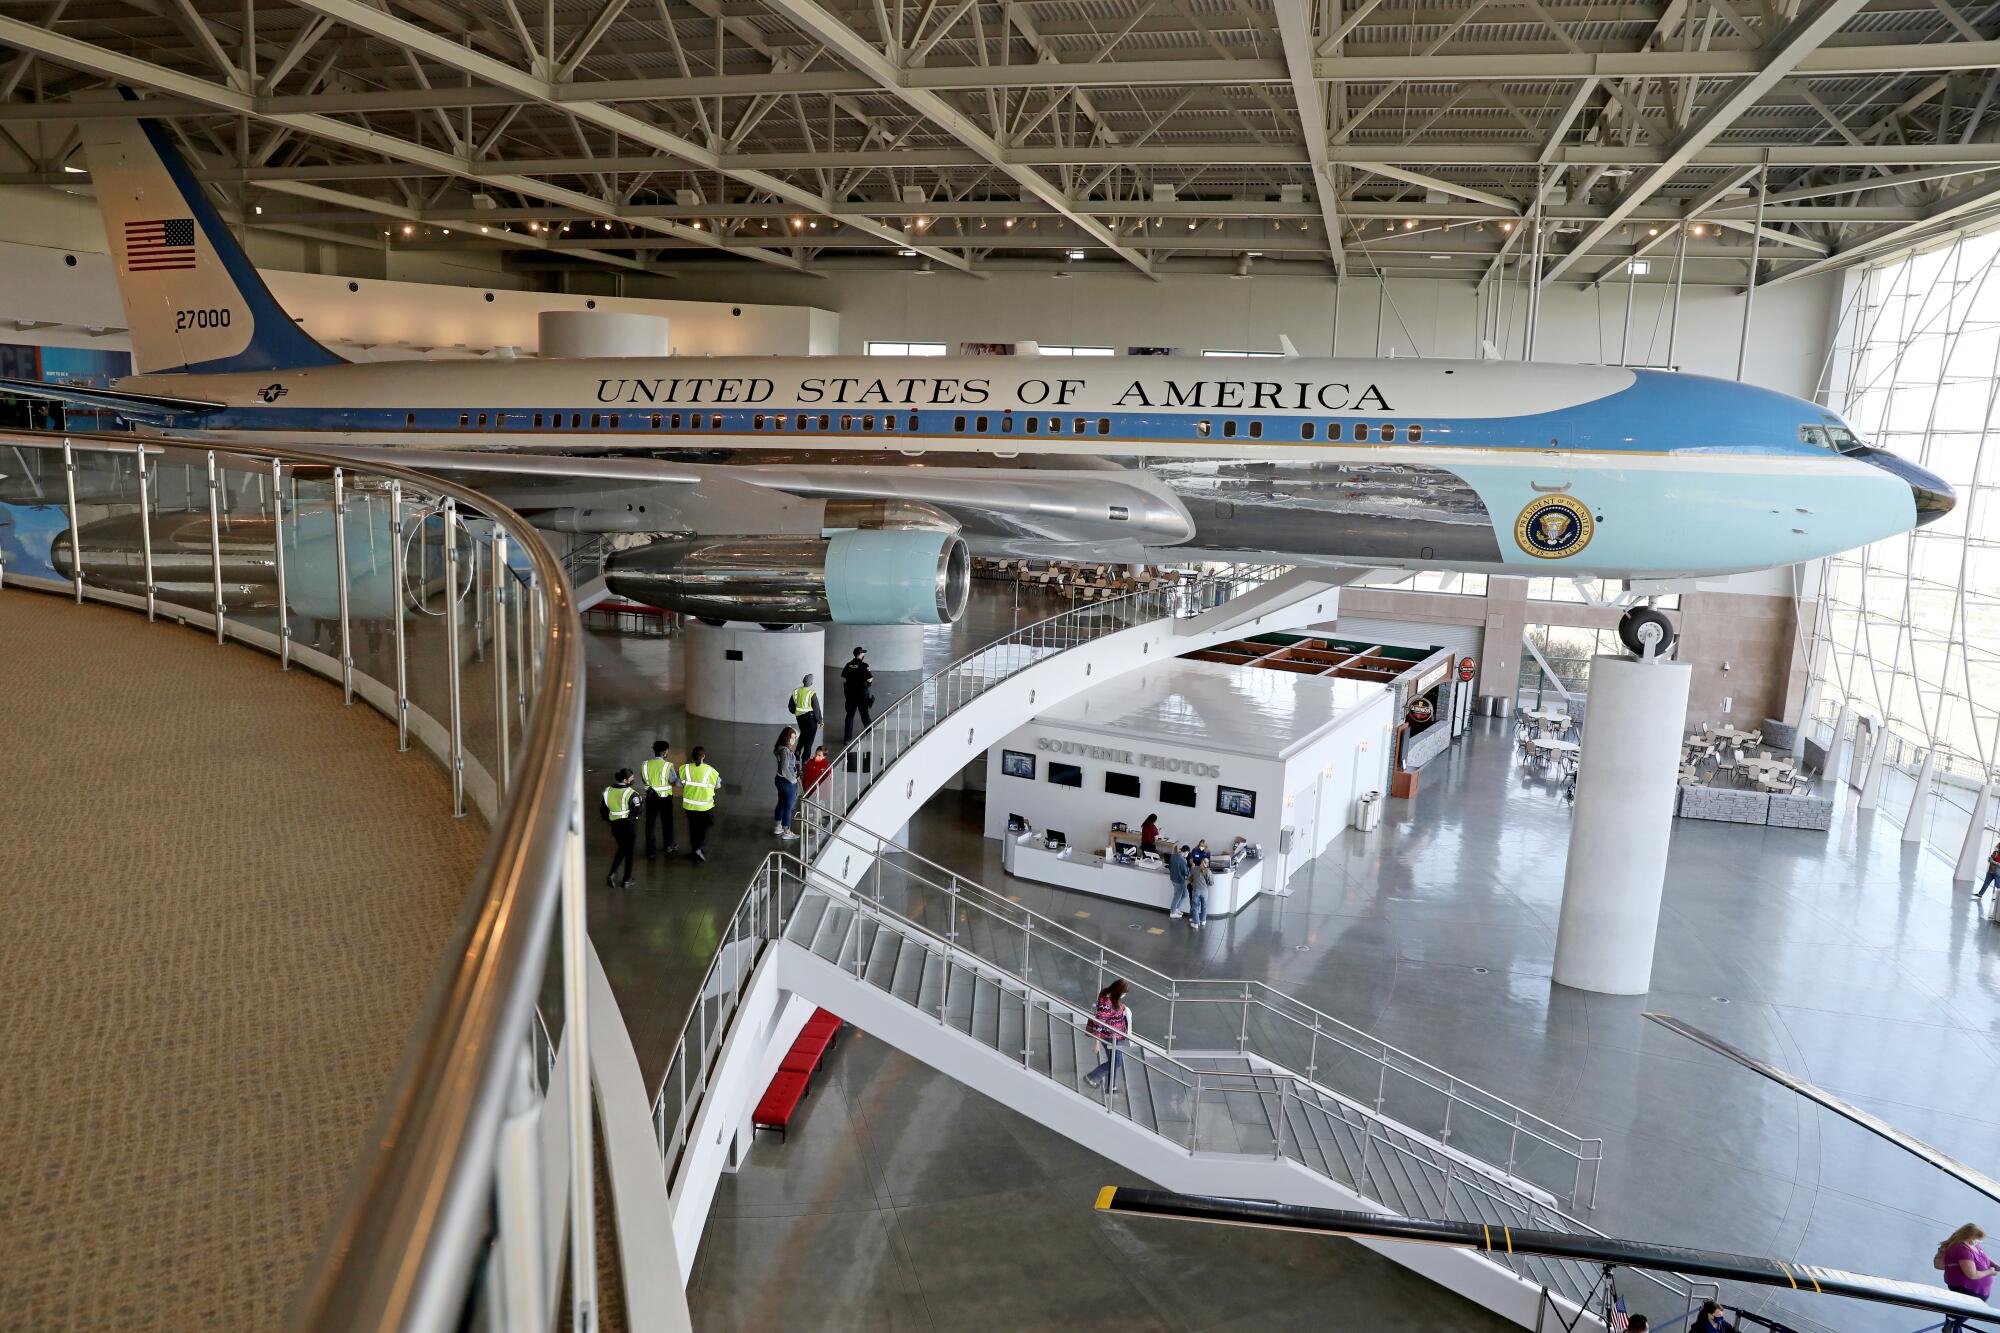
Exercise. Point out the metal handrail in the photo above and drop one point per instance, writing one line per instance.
(1501, 1195)
(411, 1228)
(1252, 993)
(1066, 629)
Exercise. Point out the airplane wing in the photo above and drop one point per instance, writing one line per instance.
(1088, 512)
(141, 407)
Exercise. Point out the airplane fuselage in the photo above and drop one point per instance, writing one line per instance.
(1480, 466)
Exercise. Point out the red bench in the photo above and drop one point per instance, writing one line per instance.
(794, 1078)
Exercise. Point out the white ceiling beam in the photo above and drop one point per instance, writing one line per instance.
(1979, 199)
(1504, 206)
(1295, 33)
(140, 73)
(859, 54)
(1779, 58)
(443, 50)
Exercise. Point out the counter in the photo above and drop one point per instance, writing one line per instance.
(1144, 885)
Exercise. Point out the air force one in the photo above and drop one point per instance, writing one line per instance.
(856, 489)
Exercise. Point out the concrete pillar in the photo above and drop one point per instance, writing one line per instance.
(1805, 720)
(1913, 823)
(1972, 853)
(1878, 765)
(745, 673)
(1857, 767)
(1624, 816)
(890, 647)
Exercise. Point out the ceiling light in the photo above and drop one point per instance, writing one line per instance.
(1193, 225)
(409, 230)
(482, 231)
(1652, 231)
(907, 254)
(922, 223)
(447, 231)
(814, 224)
(1506, 226)
(1009, 224)
(1638, 268)
(1076, 254)
(74, 171)
(259, 210)
(1409, 224)
(798, 224)
(697, 224)
(1698, 229)
(1440, 256)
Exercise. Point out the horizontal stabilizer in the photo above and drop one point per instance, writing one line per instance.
(132, 406)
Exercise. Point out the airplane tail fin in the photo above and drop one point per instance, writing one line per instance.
(192, 298)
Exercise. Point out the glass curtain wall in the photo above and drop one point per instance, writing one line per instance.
(1909, 629)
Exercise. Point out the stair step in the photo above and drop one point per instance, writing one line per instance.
(930, 977)
(958, 999)
(806, 918)
(986, 1013)
(1013, 1024)
(883, 952)
(906, 973)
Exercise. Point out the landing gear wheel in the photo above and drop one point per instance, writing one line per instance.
(1643, 627)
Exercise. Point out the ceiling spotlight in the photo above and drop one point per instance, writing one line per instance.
(565, 226)
(922, 223)
(1506, 226)
(482, 231)
(1008, 224)
(259, 210)
(1193, 225)
(1409, 224)
(798, 224)
(409, 230)
(697, 224)
(814, 224)
(1698, 229)
(907, 253)
(1076, 254)
(1652, 231)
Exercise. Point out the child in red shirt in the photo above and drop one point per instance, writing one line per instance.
(817, 768)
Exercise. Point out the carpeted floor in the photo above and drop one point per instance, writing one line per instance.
(225, 896)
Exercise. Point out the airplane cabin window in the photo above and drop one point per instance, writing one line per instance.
(981, 426)
(1201, 428)
(958, 425)
(1104, 425)
(1416, 432)
(757, 422)
(482, 418)
(575, 420)
(825, 421)
(1055, 425)
(1361, 432)
(1006, 425)
(1034, 425)
(596, 420)
(1306, 430)
(715, 421)
(1388, 432)
(676, 421)
(1333, 430)
(846, 421)
(464, 419)
(1228, 430)
(1079, 428)
(888, 421)
(1256, 430)
(410, 419)
(655, 422)
(614, 421)
(913, 421)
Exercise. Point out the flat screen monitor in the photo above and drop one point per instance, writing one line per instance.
(1065, 775)
(1236, 801)
(1177, 793)
(1016, 764)
(1121, 784)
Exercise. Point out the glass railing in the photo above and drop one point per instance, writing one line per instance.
(1216, 1015)
(446, 612)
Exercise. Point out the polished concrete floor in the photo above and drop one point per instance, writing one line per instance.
(1845, 957)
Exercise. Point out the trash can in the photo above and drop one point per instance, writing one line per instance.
(1368, 811)
(1497, 705)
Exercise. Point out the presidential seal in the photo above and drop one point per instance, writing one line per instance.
(1553, 526)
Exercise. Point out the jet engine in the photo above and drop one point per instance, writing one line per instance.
(861, 577)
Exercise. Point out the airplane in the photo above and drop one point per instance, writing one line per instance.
(786, 490)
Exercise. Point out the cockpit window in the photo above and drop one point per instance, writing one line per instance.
(1831, 435)
(1815, 436)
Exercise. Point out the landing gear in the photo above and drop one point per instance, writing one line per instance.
(1642, 628)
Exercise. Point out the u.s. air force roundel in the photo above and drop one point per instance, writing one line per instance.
(1553, 526)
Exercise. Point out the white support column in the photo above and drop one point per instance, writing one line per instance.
(1624, 816)
(1914, 822)
(1857, 767)
(1836, 745)
(744, 673)
(890, 647)
(1878, 756)
(1972, 853)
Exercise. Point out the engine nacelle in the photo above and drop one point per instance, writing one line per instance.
(904, 577)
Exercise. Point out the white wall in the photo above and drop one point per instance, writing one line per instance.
(1196, 311)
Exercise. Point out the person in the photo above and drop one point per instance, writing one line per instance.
(786, 752)
(1177, 873)
(1149, 833)
(619, 798)
(806, 713)
(857, 691)
(1966, 1268)
(698, 784)
(1200, 881)
(657, 776)
(1111, 1025)
(1639, 1324)
(817, 768)
(1201, 856)
(1992, 871)
(1710, 1319)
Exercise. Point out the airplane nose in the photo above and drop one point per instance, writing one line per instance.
(1933, 495)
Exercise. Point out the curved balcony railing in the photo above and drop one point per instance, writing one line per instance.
(444, 610)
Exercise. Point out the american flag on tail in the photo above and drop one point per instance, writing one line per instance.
(159, 243)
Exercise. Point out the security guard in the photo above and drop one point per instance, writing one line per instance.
(806, 712)
(620, 811)
(699, 782)
(657, 774)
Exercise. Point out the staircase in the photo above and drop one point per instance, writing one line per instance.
(1207, 1109)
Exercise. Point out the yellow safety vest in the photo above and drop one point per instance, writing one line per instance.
(618, 800)
(656, 771)
(698, 784)
(802, 700)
